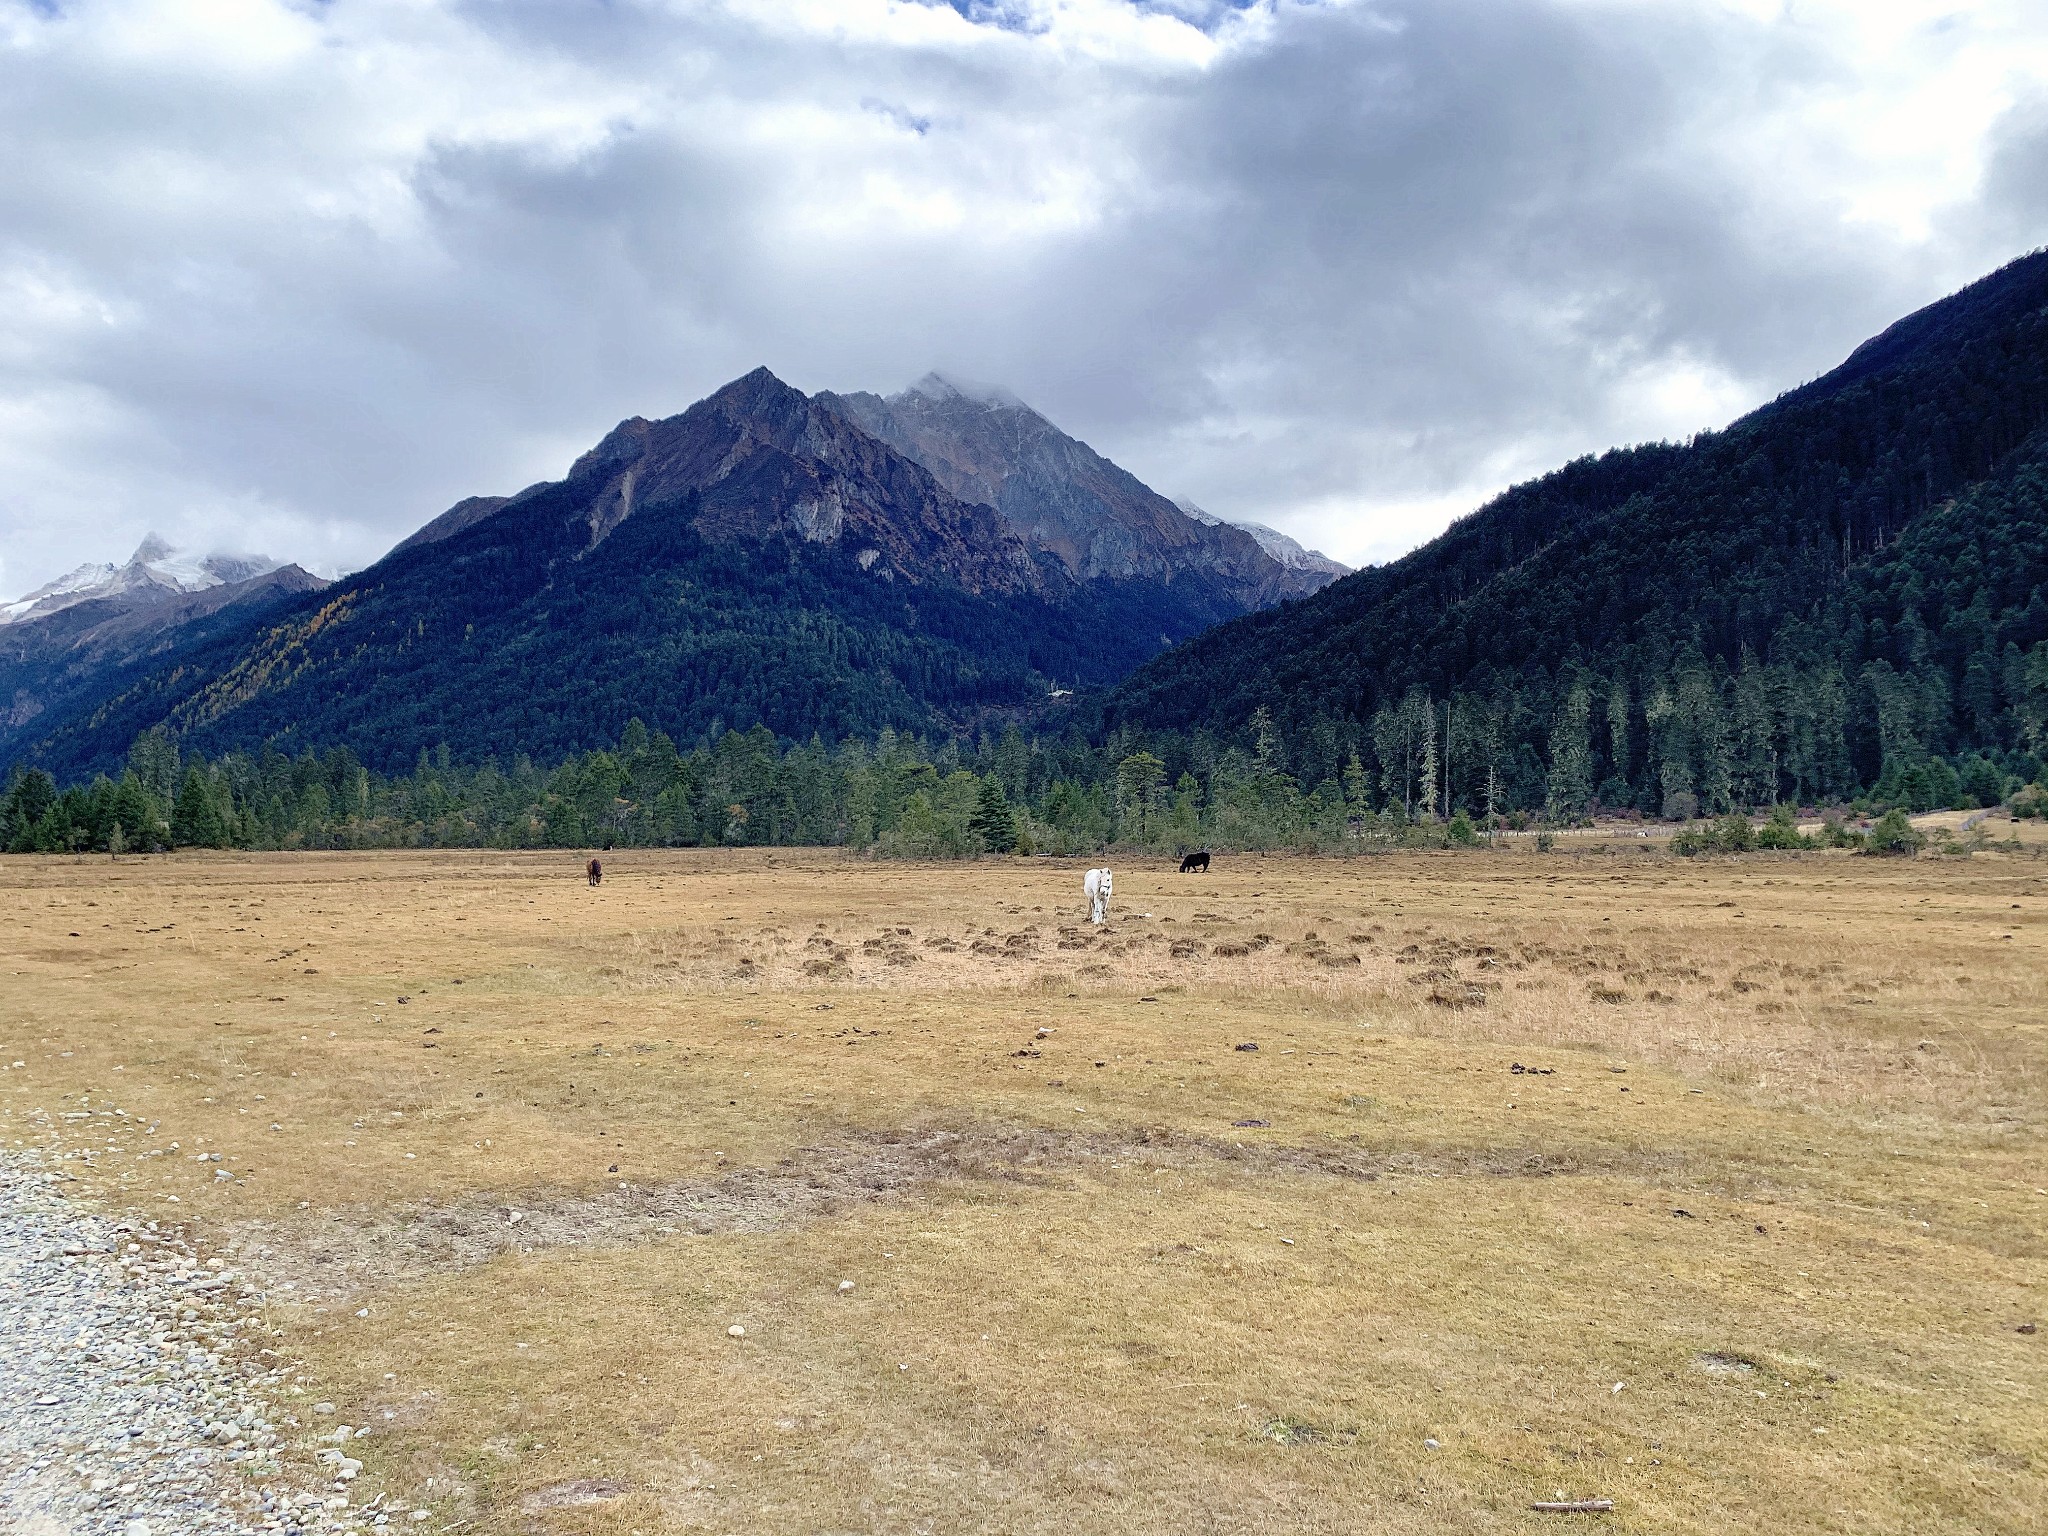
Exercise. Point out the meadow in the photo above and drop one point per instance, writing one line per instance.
(1310, 1195)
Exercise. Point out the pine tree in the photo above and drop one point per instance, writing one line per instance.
(27, 802)
(1357, 787)
(993, 821)
(1425, 776)
(1571, 756)
(1138, 778)
(1618, 756)
(196, 819)
(1265, 742)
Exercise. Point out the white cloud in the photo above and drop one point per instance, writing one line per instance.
(296, 274)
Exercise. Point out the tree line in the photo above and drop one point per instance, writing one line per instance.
(1700, 741)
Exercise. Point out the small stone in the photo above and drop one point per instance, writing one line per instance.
(736, 1332)
(847, 1285)
(1431, 1445)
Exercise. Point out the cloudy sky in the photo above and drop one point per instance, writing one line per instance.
(293, 275)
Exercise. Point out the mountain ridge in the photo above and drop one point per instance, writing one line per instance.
(758, 558)
(1063, 498)
(1761, 545)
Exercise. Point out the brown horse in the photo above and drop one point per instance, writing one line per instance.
(596, 872)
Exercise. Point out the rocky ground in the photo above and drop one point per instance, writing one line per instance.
(139, 1395)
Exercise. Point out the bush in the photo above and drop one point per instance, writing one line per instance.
(1689, 841)
(1462, 832)
(1545, 841)
(1894, 836)
(1734, 834)
(1681, 805)
(1782, 831)
(1834, 834)
(2032, 800)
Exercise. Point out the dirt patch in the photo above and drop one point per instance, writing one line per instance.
(335, 1253)
(571, 1495)
(1720, 1363)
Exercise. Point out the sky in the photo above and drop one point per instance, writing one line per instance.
(292, 276)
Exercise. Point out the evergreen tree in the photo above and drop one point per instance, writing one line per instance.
(994, 822)
(1138, 778)
(28, 801)
(196, 819)
(1425, 770)
(1570, 787)
(1619, 758)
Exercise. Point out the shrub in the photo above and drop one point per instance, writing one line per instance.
(1462, 832)
(1894, 835)
(1734, 834)
(1782, 831)
(2032, 800)
(1689, 841)
(1835, 834)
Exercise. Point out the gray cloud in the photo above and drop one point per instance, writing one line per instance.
(295, 276)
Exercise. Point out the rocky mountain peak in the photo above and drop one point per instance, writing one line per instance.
(947, 387)
(1063, 498)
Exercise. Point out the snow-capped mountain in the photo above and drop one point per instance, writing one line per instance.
(88, 633)
(154, 573)
(1290, 553)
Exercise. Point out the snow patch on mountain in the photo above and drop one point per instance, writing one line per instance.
(155, 572)
(1289, 552)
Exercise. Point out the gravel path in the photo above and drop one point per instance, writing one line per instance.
(133, 1398)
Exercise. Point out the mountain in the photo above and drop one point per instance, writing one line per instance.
(1846, 583)
(88, 633)
(154, 574)
(760, 559)
(1063, 498)
(1289, 552)
(469, 510)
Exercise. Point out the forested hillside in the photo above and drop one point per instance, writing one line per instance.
(1842, 590)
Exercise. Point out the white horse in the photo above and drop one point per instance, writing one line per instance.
(1096, 887)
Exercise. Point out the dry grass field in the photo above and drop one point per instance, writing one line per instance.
(1716, 1188)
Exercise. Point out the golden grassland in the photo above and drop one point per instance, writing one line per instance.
(1747, 1242)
